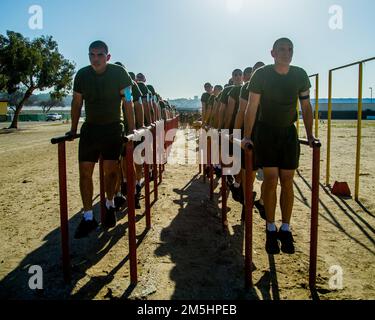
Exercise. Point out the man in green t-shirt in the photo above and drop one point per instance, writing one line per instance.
(205, 96)
(121, 186)
(153, 103)
(103, 87)
(274, 90)
(239, 124)
(210, 105)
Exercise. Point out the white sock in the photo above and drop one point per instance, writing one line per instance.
(110, 203)
(88, 215)
(285, 227)
(271, 226)
(236, 184)
(119, 194)
(261, 201)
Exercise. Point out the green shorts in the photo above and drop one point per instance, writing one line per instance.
(96, 140)
(276, 147)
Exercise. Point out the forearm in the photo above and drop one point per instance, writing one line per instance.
(75, 114)
(228, 114)
(238, 123)
(250, 114)
(152, 112)
(203, 110)
(308, 118)
(139, 114)
(147, 112)
(220, 116)
(129, 113)
(207, 116)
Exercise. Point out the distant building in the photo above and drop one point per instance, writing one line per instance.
(4, 99)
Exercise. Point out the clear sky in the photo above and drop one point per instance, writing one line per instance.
(180, 44)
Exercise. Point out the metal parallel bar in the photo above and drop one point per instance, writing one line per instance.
(147, 195)
(64, 212)
(224, 219)
(131, 212)
(345, 66)
(102, 190)
(64, 138)
(367, 60)
(328, 164)
(248, 218)
(314, 215)
(353, 64)
(160, 174)
(359, 131)
(154, 167)
(209, 164)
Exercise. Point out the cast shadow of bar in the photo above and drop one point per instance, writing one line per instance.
(268, 284)
(208, 264)
(332, 219)
(84, 254)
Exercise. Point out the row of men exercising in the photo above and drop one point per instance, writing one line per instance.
(149, 107)
(225, 109)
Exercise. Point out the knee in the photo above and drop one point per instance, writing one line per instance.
(85, 175)
(112, 173)
(271, 180)
(286, 182)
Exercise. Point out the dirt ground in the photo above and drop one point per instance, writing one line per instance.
(185, 255)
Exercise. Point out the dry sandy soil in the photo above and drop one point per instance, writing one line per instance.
(185, 255)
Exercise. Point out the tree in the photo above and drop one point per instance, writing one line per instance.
(27, 66)
(47, 105)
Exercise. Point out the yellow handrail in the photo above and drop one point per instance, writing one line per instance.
(359, 121)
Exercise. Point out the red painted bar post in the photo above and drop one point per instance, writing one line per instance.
(248, 219)
(224, 219)
(314, 215)
(147, 195)
(64, 212)
(154, 167)
(131, 212)
(102, 190)
(210, 169)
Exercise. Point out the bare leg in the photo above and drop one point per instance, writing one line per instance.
(110, 177)
(85, 183)
(118, 179)
(271, 176)
(138, 172)
(262, 191)
(287, 194)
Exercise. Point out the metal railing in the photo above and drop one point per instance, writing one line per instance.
(128, 141)
(248, 149)
(359, 121)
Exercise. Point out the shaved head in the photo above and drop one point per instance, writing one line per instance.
(280, 41)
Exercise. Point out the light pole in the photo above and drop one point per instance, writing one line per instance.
(371, 94)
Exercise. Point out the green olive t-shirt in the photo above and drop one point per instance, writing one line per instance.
(279, 94)
(101, 92)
